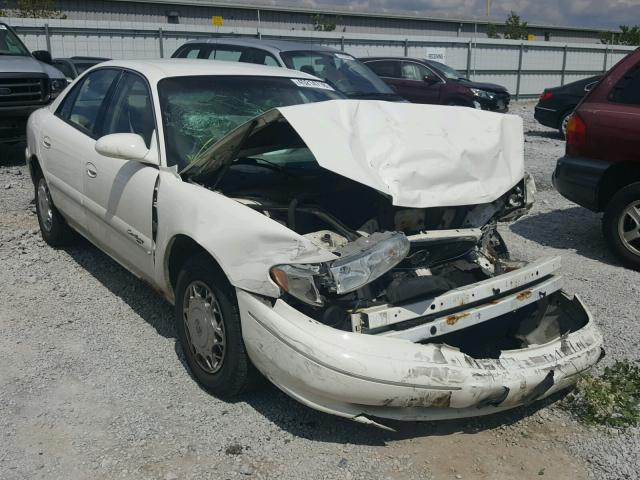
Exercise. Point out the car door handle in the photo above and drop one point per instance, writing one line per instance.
(92, 171)
(46, 142)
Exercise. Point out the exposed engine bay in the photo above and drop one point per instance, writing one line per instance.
(387, 254)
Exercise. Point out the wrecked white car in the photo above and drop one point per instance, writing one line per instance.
(345, 249)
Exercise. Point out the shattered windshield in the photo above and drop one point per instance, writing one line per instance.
(199, 111)
(340, 70)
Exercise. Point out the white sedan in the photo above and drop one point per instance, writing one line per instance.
(346, 250)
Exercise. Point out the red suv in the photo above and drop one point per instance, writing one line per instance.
(601, 167)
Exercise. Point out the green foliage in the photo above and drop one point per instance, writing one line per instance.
(627, 36)
(492, 31)
(34, 9)
(324, 23)
(612, 399)
(515, 28)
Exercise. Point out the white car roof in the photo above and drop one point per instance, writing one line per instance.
(156, 70)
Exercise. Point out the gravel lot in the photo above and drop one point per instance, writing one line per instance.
(93, 385)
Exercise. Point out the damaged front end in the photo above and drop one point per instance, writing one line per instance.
(420, 312)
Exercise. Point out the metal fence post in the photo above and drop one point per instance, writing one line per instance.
(342, 43)
(406, 47)
(564, 64)
(606, 54)
(160, 42)
(519, 71)
(469, 60)
(47, 37)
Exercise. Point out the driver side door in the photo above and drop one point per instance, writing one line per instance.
(119, 193)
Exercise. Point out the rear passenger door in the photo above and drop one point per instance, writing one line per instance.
(119, 192)
(70, 137)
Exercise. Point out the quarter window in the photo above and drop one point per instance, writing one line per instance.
(627, 90)
(85, 111)
(130, 110)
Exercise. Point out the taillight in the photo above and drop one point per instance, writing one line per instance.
(576, 133)
(546, 96)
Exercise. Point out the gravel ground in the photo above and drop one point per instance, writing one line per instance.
(93, 384)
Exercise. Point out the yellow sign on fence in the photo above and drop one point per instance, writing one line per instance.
(217, 21)
(531, 37)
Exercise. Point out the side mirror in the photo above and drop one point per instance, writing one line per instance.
(42, 55)
(126, 146)
(430, 79)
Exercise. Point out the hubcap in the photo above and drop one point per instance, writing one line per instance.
(629, 227)
(44, 205)
(204, 326)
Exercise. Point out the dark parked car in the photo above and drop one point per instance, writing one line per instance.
(339, 69)
(74, 66)
(601, 167)
(427, 81)
(558, 103)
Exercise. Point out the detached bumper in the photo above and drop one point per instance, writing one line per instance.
(354, 375)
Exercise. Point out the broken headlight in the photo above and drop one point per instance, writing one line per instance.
(519, 200)
(360, 262)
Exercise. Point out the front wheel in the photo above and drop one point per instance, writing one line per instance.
(53, 226)
(621, 225)
(208, 327)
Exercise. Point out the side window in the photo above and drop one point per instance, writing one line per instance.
(86, 107)
(413, 71)
(260, 57)
(226, 54)
(270, 61)
(189, 52)
(130, 109)
(384, 68)
(65, 68)
(627, 90)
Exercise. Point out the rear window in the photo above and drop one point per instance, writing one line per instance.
(627, 90)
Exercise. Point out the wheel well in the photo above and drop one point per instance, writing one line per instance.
(615, 178)
(182, 249)
(461, 101)
(34, 168)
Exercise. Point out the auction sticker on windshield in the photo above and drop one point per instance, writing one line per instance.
(311, 84)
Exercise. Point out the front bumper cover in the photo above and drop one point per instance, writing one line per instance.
(353, 375)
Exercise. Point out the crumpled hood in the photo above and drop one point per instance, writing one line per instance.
(27, 65)
(420, 155)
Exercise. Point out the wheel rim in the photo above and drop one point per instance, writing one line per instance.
(629, 227)
(45, 212)
(565, 122)
(204, 326)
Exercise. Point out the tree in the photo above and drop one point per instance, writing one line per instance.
(627, 36)
(36, 9)
(323, 23)
(492, 31)
(514, 28)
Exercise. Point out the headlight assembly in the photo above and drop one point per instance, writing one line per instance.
(360, 263)
(482, 93)
(57, 86)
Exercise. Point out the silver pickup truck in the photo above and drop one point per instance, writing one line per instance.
(27, 82)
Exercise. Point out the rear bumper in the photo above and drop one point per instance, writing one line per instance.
(578, 179)
(354, 375)
(547, 116)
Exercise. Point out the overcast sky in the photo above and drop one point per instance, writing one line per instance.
(604, 13)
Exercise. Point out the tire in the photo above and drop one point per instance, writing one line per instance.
(53, 226)
(563, 124)
(227, 370)
(622, 216)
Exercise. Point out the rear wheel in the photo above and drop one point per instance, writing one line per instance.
(53, 226)
(563, 124)
(208, 327)
(621, 225)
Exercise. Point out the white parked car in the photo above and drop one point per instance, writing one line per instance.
(345, 249)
